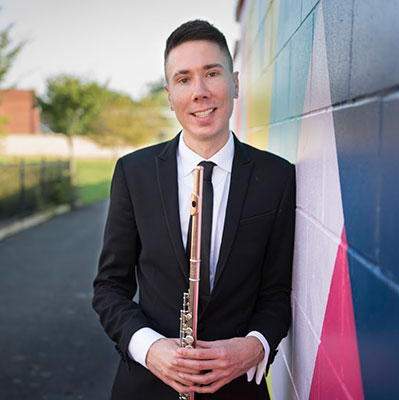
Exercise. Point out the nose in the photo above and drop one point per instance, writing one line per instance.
(200, 90)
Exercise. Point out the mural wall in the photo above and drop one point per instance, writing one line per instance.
(320, 87)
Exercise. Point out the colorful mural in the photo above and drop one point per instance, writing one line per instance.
(320, 87)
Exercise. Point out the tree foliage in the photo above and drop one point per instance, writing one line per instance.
(76, 107)
(8, 52)
(70, 104)
(124, 121)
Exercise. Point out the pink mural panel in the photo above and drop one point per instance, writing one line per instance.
(337, 370)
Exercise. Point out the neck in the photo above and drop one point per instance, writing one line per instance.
(206, 148)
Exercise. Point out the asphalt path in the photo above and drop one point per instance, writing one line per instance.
(51, 343)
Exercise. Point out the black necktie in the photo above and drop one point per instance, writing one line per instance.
(206, 231)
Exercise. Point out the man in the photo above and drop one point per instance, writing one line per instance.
(247, 311)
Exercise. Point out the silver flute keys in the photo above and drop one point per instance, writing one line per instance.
(186, 332)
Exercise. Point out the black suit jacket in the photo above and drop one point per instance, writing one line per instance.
(143, 236)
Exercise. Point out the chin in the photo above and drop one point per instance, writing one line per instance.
(207, 135)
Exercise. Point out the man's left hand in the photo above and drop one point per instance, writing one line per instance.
(223, 361)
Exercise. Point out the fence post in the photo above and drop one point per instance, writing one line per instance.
(72, 179)
(34, 186)
(22, 205)
(43, 187)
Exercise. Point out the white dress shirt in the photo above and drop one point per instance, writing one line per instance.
(187, 160)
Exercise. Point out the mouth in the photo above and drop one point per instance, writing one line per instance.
(203, 114)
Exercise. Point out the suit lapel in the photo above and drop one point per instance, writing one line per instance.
(167, 182)
(241, 172)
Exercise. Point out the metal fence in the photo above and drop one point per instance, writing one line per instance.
(27, 187)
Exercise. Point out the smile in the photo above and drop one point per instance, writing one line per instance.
(204, 114)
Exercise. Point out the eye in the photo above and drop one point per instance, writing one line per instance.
(183, 80)
(213, 74)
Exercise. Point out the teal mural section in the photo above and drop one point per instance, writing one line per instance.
(292, 63)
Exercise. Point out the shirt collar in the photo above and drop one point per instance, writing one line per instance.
(189, 159)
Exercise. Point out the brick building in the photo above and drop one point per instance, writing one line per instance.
(20, 110)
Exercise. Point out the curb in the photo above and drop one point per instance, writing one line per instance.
(32, 220)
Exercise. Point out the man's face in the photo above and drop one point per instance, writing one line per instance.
(201, 89)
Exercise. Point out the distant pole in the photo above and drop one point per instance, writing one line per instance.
(22, 205)
(73, 128)
(72, 172)
(43, 189)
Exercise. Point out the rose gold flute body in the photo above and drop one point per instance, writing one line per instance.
(189, 312)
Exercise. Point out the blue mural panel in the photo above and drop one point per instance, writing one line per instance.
(357, 138)
(377, 330)
(337, 15)
(375, 46)
(307, 6)
(283, 139)
(281, 87)
(301, 50)
(262, 5)
(389, 227)
(288, 22)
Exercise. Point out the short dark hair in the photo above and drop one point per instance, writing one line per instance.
(197, 30)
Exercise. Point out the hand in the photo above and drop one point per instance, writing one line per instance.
(224, 359)
(161, 361)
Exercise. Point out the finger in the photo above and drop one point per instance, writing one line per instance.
(186, 370)
(205, 344)
(198, 353)
(201, 379)
(168, 372)
(183, 379)
(193, 366)
(176, 378)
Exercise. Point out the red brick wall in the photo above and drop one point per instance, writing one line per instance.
(18, 106)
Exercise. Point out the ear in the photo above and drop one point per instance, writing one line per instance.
(166, 87)
(236, 84)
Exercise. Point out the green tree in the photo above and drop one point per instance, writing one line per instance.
(113, 125)
(8, 52)
(156, 94)
(75, 107)
(123, 121)
(70, 104)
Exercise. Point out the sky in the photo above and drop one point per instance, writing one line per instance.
(117, 42)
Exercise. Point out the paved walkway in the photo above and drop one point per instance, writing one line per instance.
(51, 343)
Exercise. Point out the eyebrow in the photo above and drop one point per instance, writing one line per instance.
(205, 68)
(215, 65)
(181, 72)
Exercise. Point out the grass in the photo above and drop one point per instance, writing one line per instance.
(92, 180)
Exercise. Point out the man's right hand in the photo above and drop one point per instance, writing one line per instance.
(161, 359)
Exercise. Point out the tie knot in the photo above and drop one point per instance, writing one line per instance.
(208, 168)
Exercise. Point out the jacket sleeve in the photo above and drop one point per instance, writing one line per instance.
(272, 316)
(115, 284)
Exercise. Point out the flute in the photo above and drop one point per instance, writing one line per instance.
(189, 311)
